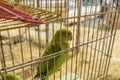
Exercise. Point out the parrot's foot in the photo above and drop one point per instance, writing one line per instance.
(57, 70)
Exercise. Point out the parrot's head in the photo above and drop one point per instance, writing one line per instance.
(63, 34)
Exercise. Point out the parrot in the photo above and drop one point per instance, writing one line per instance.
(57, 44)
(11, 76)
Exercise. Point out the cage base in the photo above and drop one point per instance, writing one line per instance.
(70, 76)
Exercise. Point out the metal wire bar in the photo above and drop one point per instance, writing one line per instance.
(22, 53)
(112, 47)
(83, 42)
(94, 76)
(87, 41)
(66, 55)
(3, 62)
(61, 54)
(10, 46)
(78, 4)
(67, 14)
(91, 50)
(53, 43)
(85, 15)
(100, 63)
(73, 42)
(101, 52)
(105, 48)
(97, 59)
(110, 52)
(93, 65)
(92, 69)
(30, 46)
(54, 68)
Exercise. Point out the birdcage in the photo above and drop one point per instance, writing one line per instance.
(81, 50)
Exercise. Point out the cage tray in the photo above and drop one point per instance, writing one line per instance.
(70, 76)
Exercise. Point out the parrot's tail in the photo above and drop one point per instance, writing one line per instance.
(43, 78)
(35, 77)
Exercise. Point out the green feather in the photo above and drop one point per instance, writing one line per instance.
(11, 76)
(59, 42)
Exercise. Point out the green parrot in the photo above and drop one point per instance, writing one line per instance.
(57, 44)
(11, 76)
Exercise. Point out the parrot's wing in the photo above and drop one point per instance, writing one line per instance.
(42, 68)
(10, 76)
(53, 48)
